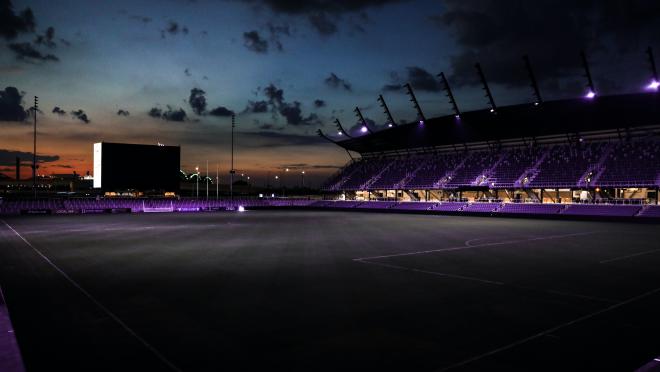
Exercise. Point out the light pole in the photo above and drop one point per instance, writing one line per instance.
(197, 182)
(34, 151)
(207, 180)
(232, 171)
(277, 178)
(302, 175)
(217, 182)
(286, 170)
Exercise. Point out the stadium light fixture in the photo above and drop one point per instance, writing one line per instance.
(364, 128)
(591, 93)
(450, 94)
(339, 133)
(413, 99)
(241, 208)
(421, 122)
(655, 81)
(386, 110)
(485, 87)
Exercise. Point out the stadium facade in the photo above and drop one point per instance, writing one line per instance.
(147, 168)
(587, 149)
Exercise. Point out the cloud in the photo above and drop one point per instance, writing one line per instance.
(197, 101)
(170, 114)
(256, 107)
(419, 78)
(58, 111)
(276, 32)
(322, 15)
(140, 18)
(292, 111)
(279, 139)
(254, 42)
(318, 103)
(187, 72)
(11, 108)
(47, 38)
(122, 112)
(173, 28)
(81, 115)
(293, 114)
(12, 24)
(334, 81)
(323, 24)
(8, 157)
(551, 32)
(26, 52)
(221, 111)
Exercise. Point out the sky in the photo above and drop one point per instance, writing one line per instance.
(173, 71)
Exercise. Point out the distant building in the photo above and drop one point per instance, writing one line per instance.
(120, 167)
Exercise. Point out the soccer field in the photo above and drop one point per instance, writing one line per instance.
(324, 290)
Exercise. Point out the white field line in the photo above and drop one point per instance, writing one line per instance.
(464, 246)
(629, 256)
(97, 303)
(550, 330)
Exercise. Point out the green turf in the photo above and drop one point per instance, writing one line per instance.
(296, 290)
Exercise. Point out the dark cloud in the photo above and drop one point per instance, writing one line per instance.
(187, 72)
(254, 42)
(197, 101)
(268, 126)
(11, 108)
(139, 18)
(8, 157)
(276, 32)
(323, 23)
(551, 32)
(81, 115)
(256, 107)
(170, 114)
(12, 24)
(293, 114)
(334, 81)
(221, 111)
(419, 79)
(155, 112)
(26, 52)
(173, 28)
(291, 111)
(318, 103)
(323, 15)
(122, 112)
(58, 111)
(47, 38)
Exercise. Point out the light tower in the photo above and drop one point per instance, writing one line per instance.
(365, 127)
(386, 110)
(591, 92)
(535, 86)
(341, 130)
(413, 99)
(484, 82)
(232, 170)
(450, 95)
(34, 149)
(655, 82)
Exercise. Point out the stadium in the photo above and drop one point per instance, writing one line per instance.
(518, 237)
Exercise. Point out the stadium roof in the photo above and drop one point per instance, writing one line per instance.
(511, 122)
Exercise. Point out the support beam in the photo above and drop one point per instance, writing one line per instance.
(320, 134)
(450, 95)
(413, 99)
(655, 82)
(535, 86)
(484, 82)
(386, 110)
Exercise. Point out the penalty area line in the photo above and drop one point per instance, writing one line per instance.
(96, 302)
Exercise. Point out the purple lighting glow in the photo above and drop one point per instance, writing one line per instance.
(654, 85)
(421, 122)
(363, 129)
(339, 133)
(591, 94)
